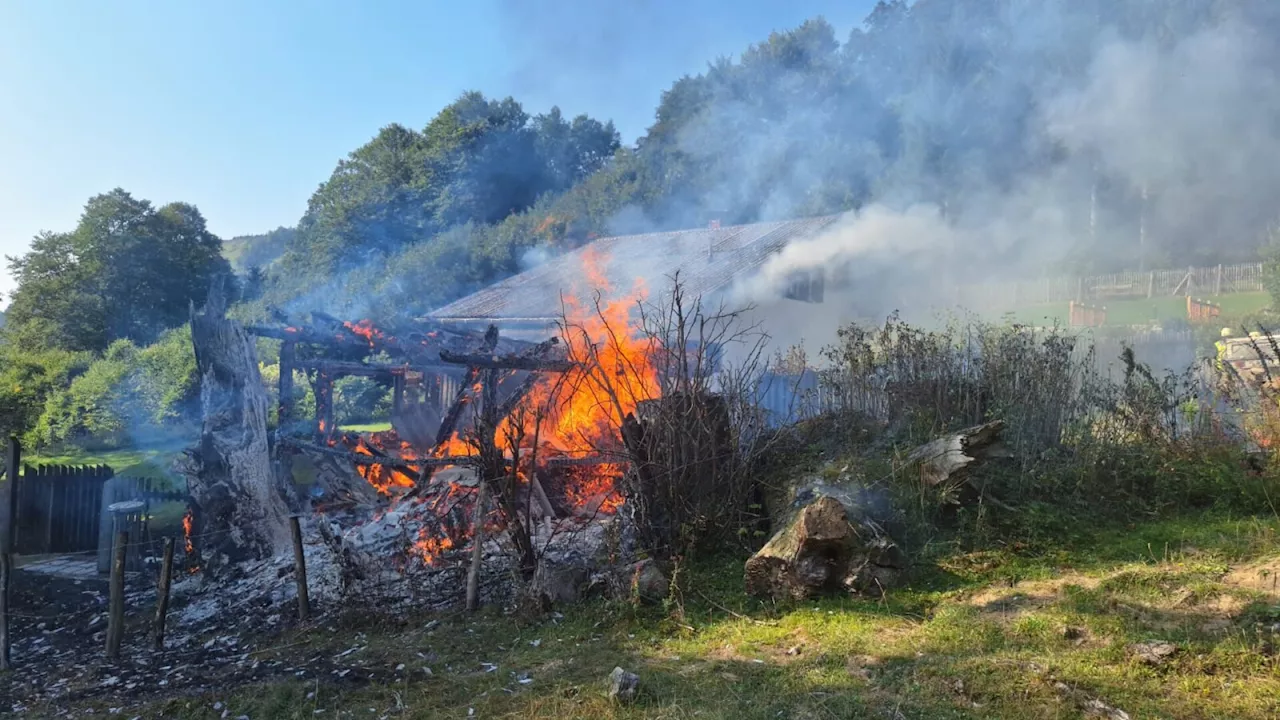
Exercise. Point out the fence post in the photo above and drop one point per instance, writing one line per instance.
(106, 524)
(8, 541)
(477, 549)
(300, 569)
(115, 611)
(162, 591)
(1217, 283)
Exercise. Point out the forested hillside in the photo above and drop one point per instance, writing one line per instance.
(1094, 130)
(1075, 134)
(250, 251)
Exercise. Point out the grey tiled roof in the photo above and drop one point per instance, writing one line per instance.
(708, 260)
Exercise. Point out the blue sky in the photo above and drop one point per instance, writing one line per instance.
(243, 108)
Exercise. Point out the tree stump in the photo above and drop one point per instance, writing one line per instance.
(821, 551)
(240, 506)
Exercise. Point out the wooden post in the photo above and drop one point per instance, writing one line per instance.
(1217, 283)
(300, 569)
(8, 541)
(9, 500)
(397, 395)
(1151, 285)
(106, 524)
(324, 406)
(284, 411)
(288, 360)
(477, 548)
(540, 496)
(6, 571)
(115, 611)
(162, 592)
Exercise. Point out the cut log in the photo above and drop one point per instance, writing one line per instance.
(821, 551)
(240, 507)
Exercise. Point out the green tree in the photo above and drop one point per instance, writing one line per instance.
(128, 271)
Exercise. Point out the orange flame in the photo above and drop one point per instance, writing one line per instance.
(616, 371)
(430, 549)
(576, 413)
(384, 478)
(366, 330)
(188, 521)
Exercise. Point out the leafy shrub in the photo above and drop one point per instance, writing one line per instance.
(129, 396)
(360, 400)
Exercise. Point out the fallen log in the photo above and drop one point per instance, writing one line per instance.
(946, 461)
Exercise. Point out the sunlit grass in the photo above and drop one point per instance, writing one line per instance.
(970, 638)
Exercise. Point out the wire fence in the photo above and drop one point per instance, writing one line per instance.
(1193, 281)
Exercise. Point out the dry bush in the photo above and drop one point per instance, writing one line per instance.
(694, 433)
(1064, 415)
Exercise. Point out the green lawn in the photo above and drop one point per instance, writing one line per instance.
(367, 427)
(1140, 312)
(992, 634)
(149, 463)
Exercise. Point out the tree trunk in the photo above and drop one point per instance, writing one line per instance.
(240, 506)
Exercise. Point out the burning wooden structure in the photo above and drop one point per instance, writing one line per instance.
(468, 412)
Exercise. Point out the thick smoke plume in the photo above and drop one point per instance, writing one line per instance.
(1157, 156)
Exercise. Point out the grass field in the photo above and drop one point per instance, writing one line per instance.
(1141, 312)
(994, 634)
(366, 427)
(149, 463)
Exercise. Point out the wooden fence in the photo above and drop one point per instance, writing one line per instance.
(58, 508)
(1204, 281)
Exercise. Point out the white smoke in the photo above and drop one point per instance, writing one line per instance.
(1186, 135)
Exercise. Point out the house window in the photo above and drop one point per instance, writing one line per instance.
(806, 287)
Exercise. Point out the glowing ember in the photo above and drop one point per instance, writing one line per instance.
(431, 548)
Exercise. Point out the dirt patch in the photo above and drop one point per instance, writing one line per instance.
(1262, 576)
(1008, 603)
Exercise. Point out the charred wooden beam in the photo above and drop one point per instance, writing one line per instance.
(506, 362)
(589, 460)
(384, 460)
(306, 335)
(338, 368)
(450, 420)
